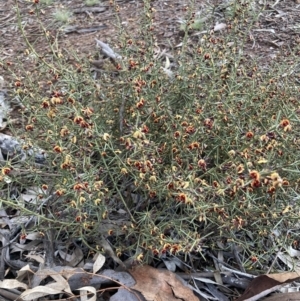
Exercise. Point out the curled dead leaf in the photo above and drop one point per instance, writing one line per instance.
(155, 284)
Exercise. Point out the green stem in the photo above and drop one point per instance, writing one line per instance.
(28, 43)
(118, 190)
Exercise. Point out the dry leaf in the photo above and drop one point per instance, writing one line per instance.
(121, 277)
(170, 265)
(12, 283)
(161, 285)
(285, 277)
(40, 291)
(24, 272)
(85, 290)
(125, 294)
(106, 50)
(65, 256)
(78, 258)
(99, 262)
(37, 258)
(265, 284)
(167, 63)
(220, 26)
(288, 260)
(284, 297)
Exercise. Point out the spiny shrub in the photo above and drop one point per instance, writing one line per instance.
(198, 149)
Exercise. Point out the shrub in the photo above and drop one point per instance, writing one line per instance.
(62, 15)
(198, 148)
(46, 2)
(91, 2)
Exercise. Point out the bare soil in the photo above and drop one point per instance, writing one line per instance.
(277, 28)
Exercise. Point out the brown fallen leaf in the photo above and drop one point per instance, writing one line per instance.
(284, 297)
(266, 284)
(285, 277)
(160, 285)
